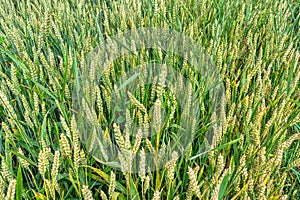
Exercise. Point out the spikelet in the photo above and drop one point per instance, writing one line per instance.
(136, 102)
(65, 126)
(173, 107)
(215, 194)
(231, 113)
(76, 148)
(219, 169)
(171, 166)
(294, 194)
(55, 166)
(15, 80)
(146, 126)
(92, 141)
(157, 121)
(188, 152)
(161, 154)
(36, 103)
(261, 189)
(33, 68)
(156, 195)
(103, 195)
(236, 184)
(10, 195)
(24, 162)
(99, 101)
(279, 155)
(287, 53)
(118, 136)
(137, 141)
(176, 198)
(147, 184)
(4, 76)
(289, 141)
(43, 163)
(248, 116)
(295, 163)
(2, 188)
(112, 184)
(6, 104)
(228, 90)
(5, 171)
(262, 186)
(50, 188)
(150, 146)
(128, 119)
(251, 186)
(90, 114)
(7, 131)
(193, 184)
(142, 167)
(59, 106)
(256, 135)
(46, 149)
(64, 144)
(140, 118)
(189, 193)
(86, 193)
(281, 182)
(161, 81)
(117, 93)
(243, 168)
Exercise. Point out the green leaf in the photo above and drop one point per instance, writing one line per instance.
(123, 44)
(214, 149)
(25, 158)
(134, 194)
(115, 195)
(1, 39)
(16, 60)
(119, 109)
(129, 81)
(74, 184)
(297, 103)
(19, 184)
(26, 71)
(106, 177)
(244, 78)
(120, 119)
(223, 187)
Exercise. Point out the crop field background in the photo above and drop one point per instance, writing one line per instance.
(71, 128)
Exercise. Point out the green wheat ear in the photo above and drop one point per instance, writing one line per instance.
(255, 146)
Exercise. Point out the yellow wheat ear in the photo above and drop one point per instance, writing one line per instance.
(87, 193)
(11, 190)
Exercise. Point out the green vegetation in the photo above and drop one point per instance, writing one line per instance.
(254, 153)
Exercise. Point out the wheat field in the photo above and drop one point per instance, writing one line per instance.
(248, 149)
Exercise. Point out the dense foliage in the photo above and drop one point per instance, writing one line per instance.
(254, 154)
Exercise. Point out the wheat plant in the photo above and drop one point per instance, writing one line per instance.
(253, 154)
